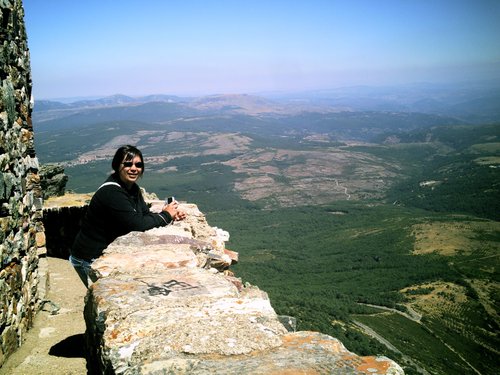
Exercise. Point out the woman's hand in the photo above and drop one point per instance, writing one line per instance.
(180, 215)
(173, 211)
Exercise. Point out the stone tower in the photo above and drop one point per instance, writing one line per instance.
(20, 195)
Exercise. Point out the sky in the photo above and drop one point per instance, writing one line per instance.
(201, 47)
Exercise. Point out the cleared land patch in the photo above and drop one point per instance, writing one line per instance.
(286, 177)
(450, 238)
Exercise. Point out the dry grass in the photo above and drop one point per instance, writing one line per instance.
(491, 147)
(441, 296)
(488, 160)
(68, 200)
(450, 238)
(486, 291)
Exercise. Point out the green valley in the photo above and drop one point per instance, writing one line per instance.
(378, 228)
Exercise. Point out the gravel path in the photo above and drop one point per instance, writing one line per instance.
(54, 345)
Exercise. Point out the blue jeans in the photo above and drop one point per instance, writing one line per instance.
(82, 268)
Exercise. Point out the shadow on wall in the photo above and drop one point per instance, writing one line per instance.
(61, 227)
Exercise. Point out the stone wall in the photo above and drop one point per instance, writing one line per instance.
(20, 194)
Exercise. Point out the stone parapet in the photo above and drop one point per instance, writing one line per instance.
(165, 302)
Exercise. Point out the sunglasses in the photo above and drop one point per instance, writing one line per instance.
(128, 164)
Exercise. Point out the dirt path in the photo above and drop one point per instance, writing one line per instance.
(345, 189)
(412, 314)
(54, 345)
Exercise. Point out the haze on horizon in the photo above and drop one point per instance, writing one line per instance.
(196, 47)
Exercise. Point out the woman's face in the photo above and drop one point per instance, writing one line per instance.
(131, 170)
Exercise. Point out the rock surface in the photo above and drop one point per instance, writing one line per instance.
(164, 302)
(52, 180)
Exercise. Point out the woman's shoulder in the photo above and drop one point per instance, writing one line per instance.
(109, 186)
(109, 183)
(110, 195)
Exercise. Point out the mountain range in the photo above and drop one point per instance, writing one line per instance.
(469, 103)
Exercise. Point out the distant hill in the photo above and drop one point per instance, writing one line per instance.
(247, 104)
(107, 101)
(48, 105)
(470, 102)
(236, 113)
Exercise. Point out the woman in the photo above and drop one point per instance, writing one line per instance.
(116, 209)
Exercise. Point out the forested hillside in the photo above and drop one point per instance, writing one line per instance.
(462, 177)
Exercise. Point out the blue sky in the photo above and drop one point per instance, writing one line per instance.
(196, 47)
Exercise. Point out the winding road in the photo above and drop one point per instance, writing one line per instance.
(343, 187)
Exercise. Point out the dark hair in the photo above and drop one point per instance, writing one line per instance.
(125, 153)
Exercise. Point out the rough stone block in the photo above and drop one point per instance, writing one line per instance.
(187, 311)
(233, 255)
(157, 259)
(40, 239)
(195, 226)
(300, 353)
